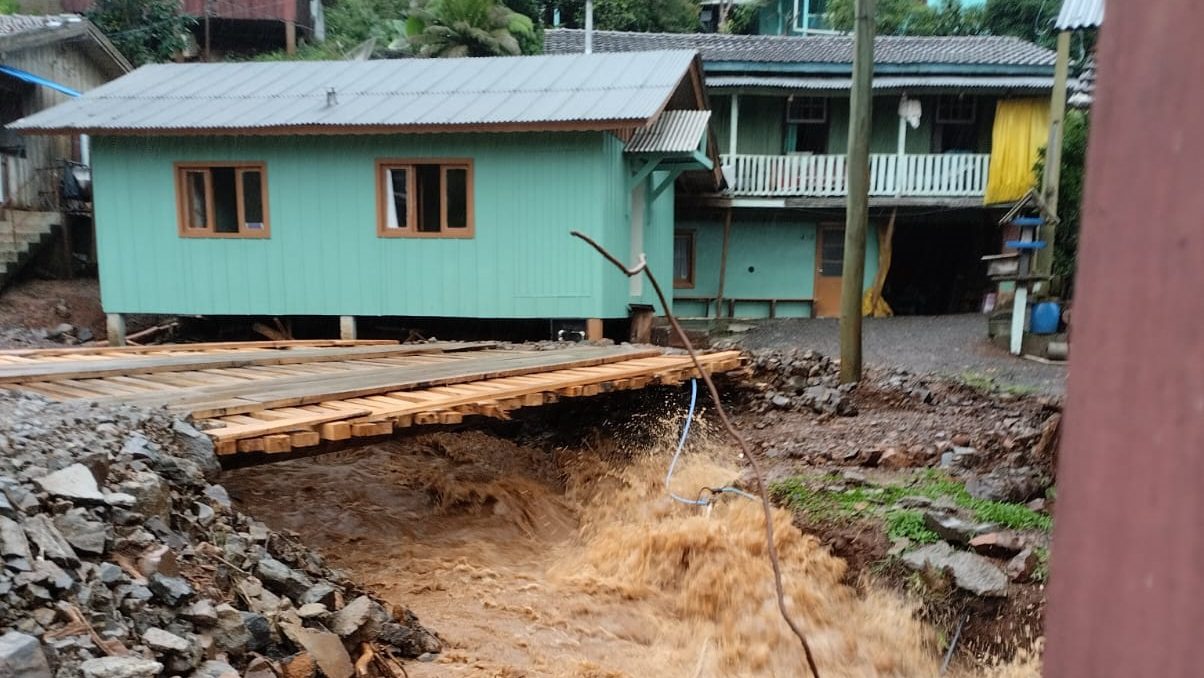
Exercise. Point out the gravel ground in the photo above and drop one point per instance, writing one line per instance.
(952, 345)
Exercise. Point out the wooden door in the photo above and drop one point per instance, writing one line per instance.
(829, 263)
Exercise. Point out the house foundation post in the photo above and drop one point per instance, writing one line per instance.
(593, 329)
(347, 327)
(115, 329)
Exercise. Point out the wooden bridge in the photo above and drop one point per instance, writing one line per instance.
(284, 396)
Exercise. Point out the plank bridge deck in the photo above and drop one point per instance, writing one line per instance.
(289, 396)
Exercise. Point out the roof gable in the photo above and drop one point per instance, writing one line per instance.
(572, 91)
(20, 32)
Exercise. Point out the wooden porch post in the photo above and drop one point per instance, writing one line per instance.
(115, 329)
(1053, 156)
(727, 232)
(733, 127)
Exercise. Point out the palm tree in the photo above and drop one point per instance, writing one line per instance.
(465, 28)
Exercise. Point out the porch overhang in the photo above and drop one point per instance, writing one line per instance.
(679, 141)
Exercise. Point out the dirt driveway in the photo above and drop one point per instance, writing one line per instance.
(952, 345)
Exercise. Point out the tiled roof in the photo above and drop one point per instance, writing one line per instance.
(587, 91)
(1026, 83)
(11, 24)
(1077, 14)
(826, 49)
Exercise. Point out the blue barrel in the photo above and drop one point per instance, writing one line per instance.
(1045, 318)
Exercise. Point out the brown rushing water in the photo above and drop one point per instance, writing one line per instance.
(576, 564)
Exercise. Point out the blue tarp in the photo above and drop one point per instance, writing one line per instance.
(31, 78)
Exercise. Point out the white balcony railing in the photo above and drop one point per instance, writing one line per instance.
(930, 175)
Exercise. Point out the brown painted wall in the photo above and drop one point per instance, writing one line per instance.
(1127, 579)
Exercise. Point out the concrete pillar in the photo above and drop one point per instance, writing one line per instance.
(115, 329)
(347, 327)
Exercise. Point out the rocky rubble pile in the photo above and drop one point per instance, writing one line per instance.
(796, 380)
(122, 560)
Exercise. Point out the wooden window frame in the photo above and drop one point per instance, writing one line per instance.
(183, 169)
(410, 227)
(958, 99)
(688, 282)
(806, 121)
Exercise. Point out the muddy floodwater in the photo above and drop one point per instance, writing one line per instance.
(575, 563)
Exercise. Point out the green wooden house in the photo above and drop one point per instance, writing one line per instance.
(957, 123)
(416, 188)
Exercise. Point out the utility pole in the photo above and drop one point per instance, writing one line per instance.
(857, 213)
(208, 11)
(589, 26)
(1053, 156)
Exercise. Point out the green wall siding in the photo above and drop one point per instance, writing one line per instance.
(779, 247)
(762, 122)
(324, 257)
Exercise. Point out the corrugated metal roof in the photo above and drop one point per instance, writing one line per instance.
(498, 92)
(11, 24)
(883, 82)
(1078, 14)
(982, 50)
(673, 132)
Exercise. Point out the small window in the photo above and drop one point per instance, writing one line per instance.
(222, 201)
(807, 110)
(683, 259)
(831, 251)
(956, 110)
(425, 198)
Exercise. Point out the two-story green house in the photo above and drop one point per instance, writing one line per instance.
(430, 188)
(957, 122)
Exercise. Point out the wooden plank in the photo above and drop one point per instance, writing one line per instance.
(89, 369)
(276, 444)
(369, 429)
(305, 439)
(252, 445)
(261, 428)
(335, 430)
(212, 402)
(210, 346)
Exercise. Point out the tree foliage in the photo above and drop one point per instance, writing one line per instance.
(466, 28)
(907, 17)
(1028, 19)
(351, 22)
(660, 16)
(145, 31)
(8, 7)
(1070, 192)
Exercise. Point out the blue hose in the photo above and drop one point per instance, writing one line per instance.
(681, 444)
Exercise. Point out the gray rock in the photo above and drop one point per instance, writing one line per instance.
(260, 630)
(327, 650)
(200, 612)
(230, 634)
(205, 514)
(321, 592)
(120, 667)
(170, 590)
(75, 483)
(1020, 568)
(970, 572)
(42, 532)
(1007, 484)
(83, 534)
(780, 402)
(14, 547)
(915, 501)
(312, 611)
(164, 641)
(282, 579)
(21, 656)
(120, 499)
(218, 495)
(20, 497)
(110, 573)
(197, 447)
(952, 528)
(152, 496)
(6, 507)
(215, 669)
(360, 620)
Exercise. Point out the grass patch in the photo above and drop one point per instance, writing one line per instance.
(909, 524)
(815, 498)
(1041, 571)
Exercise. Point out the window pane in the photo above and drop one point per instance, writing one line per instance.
(198, 211)
(252, 199)
(225, 200)
(457, 197)
(429, 196)
(831, 261)
(397, 185)
(682, 254)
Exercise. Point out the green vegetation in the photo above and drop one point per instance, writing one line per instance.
(1041, 571)
(812, 497)
(988, 384)
(1028, 19)
(146, 31)
(467, 28)
(8, 7)
(1070, 192)
(667, 16)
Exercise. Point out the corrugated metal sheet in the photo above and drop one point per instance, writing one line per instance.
(883, 82)
(673, 132)
(393, 94)
(1078, 14)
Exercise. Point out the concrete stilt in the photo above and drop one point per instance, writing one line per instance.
(115, 329)
(346, 327)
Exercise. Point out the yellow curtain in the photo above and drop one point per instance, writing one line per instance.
(1021, 128)
(872, 303)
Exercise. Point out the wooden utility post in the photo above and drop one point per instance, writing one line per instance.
(1053, 154)
(857, 219)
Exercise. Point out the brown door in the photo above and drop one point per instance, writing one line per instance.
(829, 262)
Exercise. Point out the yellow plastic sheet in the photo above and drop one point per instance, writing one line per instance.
(872, 303)
(1021, 129)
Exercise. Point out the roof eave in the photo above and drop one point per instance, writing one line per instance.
(337, 130)
(809, 68)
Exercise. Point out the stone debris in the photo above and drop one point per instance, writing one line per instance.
(1012, 484)
(970, 572)
(120, 558)
(953, 528)
(997, 544)
(801, 380)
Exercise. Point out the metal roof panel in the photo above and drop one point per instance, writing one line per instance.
(673, 132)
(1078, 14)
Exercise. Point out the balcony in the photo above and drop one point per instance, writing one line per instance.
(950, 175)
